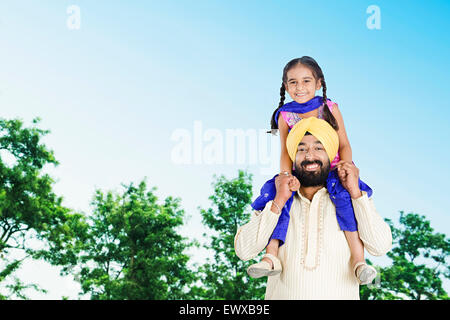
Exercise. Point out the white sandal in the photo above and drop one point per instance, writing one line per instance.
(366, 274)
(263, 268)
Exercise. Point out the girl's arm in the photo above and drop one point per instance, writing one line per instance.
(345, 150)
(285, 160)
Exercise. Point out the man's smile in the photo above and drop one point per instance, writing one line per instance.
(311, 167)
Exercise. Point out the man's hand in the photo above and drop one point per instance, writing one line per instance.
(349, 174)
(294, 184)
(283, 184)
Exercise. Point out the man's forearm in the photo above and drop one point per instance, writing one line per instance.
(253, 237)
(374, 232)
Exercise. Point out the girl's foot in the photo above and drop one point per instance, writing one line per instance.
(364, 273)
(265, 268)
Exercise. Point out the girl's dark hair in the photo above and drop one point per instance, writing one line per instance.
(318, 75)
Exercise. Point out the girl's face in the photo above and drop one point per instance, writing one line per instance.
(301, 84)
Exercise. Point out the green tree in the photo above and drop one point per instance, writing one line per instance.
(133, 250)
(30, 212)
(418, 262)
(225, 276)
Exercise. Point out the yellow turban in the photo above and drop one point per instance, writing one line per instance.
(320, 129)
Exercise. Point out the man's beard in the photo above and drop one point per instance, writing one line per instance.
(311, 178)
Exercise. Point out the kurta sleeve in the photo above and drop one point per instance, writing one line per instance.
(374, 232)
(252, 238)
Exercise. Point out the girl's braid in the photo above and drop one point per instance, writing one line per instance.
(282, 95)
(327, 115)
(273, 122)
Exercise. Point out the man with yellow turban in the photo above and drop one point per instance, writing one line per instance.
(314, 258)
(321, 129)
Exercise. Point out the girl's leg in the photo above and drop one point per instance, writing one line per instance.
(364, 273)
(356, 247)
(272, 248)
(269, 266)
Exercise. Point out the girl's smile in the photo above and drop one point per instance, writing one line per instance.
(300, 95)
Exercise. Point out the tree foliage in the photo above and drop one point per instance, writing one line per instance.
(133, 249)
(225, 277)
(419, 262)
(29, 209)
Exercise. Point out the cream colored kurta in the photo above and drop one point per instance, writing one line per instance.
(316, 256)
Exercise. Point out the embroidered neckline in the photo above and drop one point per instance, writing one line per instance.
(319, 237)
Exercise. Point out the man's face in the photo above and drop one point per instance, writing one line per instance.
(312, 164)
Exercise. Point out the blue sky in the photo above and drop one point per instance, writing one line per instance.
(113, 92)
